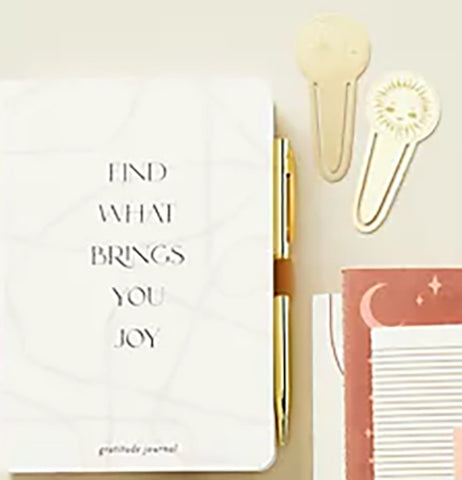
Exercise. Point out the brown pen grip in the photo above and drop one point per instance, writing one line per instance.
(283, 277)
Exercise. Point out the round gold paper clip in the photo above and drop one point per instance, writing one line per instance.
(332, 52)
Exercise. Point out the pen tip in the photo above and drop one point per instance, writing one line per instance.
(283, 431)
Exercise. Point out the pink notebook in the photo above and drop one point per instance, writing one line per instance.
(403, 373)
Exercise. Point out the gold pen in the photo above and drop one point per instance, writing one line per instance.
(283, 198)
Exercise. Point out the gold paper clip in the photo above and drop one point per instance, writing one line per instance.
(403, 111)
(332, 52)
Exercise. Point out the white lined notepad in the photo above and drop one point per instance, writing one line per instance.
(417, 400)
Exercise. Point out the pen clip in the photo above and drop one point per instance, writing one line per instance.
(283, 198)
(290, 194)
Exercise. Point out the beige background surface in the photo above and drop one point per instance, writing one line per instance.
(256, 37)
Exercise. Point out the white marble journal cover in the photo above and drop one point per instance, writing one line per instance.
(136, 275)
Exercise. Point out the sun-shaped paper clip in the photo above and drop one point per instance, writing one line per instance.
(403, 111)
